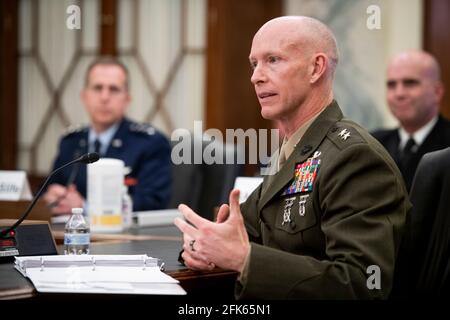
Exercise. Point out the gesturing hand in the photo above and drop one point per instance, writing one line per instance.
(223, 243)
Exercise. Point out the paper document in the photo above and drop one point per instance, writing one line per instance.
(124, 274)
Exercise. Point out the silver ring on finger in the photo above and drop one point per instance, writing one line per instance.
(191, 244)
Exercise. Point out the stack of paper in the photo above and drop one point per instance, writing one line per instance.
(124, 274)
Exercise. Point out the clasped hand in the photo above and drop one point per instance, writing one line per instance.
(62, 199)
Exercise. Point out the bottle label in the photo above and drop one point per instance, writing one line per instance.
(76, 238)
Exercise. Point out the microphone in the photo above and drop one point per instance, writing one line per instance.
(86, 158)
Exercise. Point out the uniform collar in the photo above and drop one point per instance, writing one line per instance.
(105, 137)
(310, 141)
(419, 136)
(289, 144)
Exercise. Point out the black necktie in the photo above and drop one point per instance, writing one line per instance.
(406, 161)
(409, 149)
(97, 146)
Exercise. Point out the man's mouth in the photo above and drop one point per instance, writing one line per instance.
(264, 95)
(403, 105)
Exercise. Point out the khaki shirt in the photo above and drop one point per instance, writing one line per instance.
(285, 152)
(320, 240)
(288, 145)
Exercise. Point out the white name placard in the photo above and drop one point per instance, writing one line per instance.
(14, 186)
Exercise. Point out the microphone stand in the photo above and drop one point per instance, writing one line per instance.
(87, 158)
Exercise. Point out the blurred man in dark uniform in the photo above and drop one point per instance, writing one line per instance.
(414, 93)
(145, 151)
(331, 216)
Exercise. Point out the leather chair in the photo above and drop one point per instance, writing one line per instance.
(205, 186)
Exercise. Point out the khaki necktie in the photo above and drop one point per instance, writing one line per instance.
(280, 162)
(282, 156)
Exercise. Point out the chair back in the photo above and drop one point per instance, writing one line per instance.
(205, 186)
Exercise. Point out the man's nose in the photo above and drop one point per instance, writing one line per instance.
(258, 75)
(105, 93)
(399, 90)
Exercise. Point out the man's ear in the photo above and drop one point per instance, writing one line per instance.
(439, 91)
(83, 96)
(319, 66)
(127, 103)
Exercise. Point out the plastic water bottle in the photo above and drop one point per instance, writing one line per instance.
(127, 208)
(76, 234)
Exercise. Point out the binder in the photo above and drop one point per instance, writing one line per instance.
(109, 274)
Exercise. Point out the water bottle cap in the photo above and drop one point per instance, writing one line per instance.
(77, 210)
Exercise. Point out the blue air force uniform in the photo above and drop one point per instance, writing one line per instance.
(145, 151)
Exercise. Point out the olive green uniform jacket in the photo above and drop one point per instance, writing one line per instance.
(340, 232)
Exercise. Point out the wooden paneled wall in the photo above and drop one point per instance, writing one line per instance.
(437, 41)
(231, 102)
(230, 97)
(108, 27)
(8, 83)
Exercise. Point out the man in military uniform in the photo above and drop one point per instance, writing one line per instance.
(145, 151)
(328, 223)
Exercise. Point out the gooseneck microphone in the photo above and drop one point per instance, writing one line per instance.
(86, 158)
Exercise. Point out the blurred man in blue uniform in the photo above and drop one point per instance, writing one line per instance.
(145, 151)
